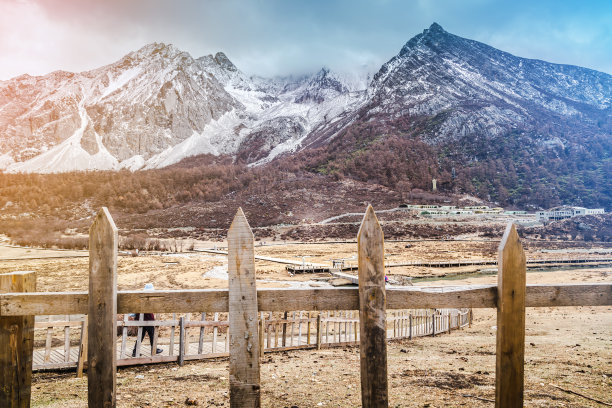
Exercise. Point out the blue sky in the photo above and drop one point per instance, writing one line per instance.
(273, 37)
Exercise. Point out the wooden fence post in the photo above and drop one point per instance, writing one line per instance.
(16, 345)
(372, 312)
(215, 333)
(262, 330)
(285, 315)
(308, 329)
(433, 323)
(319, 331)
(181, 356)
(102, 321)
(82, 348)
(510, 353)
(244, 339)
(410, 326)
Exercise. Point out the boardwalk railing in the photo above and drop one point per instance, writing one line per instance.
(378, 307)
(59, 339)
(533, 263)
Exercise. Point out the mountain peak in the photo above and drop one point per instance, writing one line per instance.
(323, 72)
(434, 33)
(225, 62)
(435, 28)
(219, 60)
(157, 49)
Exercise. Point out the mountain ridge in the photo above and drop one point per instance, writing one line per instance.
(459, 102)
(175, 103)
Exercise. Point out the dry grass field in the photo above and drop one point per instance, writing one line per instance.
(206, 270)
(567, 347)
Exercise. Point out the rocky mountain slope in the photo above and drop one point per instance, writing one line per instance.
(479, 119)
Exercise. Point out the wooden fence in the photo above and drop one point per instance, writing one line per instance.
(19, 303)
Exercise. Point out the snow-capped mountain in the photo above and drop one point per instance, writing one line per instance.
(472, 88)
(159, 105)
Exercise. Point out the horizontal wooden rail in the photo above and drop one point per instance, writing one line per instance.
(276, 300)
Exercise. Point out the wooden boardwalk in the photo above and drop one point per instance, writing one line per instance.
(452, 264)
(298, 330)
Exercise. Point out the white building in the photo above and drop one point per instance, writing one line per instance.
(561, 213)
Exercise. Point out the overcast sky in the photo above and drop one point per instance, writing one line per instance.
(269, 37)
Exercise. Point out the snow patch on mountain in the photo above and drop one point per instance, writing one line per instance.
(5, 160)
(134, 163)
(197, 143)
(121, 80)
(69, 155)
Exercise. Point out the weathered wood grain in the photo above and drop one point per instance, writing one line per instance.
(244, 340)
(372, 315)
(102, 311)
(510, 353)
(594, 294)
(16, 345)
(215, 300)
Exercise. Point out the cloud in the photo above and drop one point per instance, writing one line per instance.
(274, 37)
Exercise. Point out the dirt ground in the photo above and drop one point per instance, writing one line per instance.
(568, 347)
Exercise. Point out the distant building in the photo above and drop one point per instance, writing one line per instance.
(561, 213)
(460, 211)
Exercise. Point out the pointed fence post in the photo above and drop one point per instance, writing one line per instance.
(510, 353)
(101, 319)
(244, 339)
(372, 312)
(16, 345)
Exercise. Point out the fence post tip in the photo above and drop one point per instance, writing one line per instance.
(103, 217)
(239, 222)
(510, 237)
(370, 225)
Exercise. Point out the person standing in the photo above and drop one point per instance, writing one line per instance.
(150, 330)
